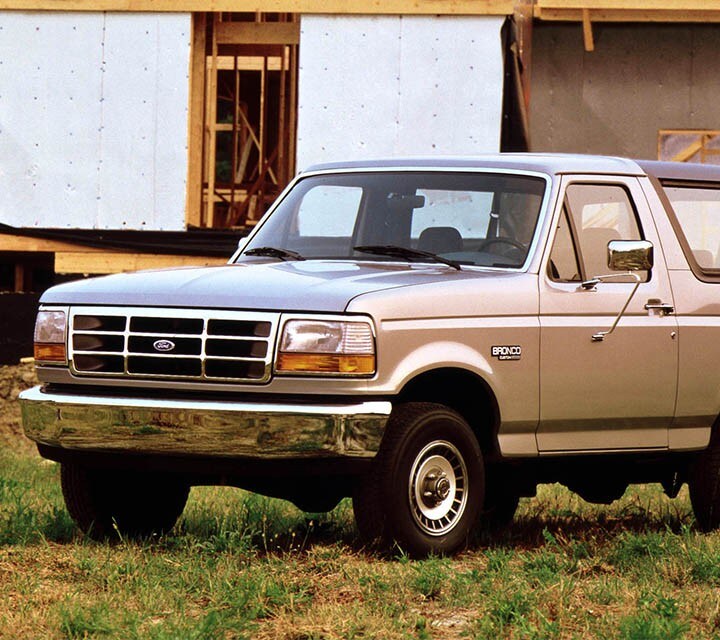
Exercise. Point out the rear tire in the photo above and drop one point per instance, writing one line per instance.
(704, 483)
(426, 486)
(136, 505)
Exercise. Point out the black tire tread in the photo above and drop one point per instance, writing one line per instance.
(375, 519)
(704, 482)
(107, 504)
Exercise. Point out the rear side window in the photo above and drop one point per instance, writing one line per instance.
(697, 209)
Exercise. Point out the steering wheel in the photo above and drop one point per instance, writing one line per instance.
(512, 242)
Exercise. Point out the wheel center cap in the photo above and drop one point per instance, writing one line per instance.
(442, 488)
(436, 488)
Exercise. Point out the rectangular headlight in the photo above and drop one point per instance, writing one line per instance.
(327, 347)
(50, 336)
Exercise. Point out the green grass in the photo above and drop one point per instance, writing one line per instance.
(242, 566)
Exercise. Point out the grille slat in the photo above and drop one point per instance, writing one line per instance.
(173, 344)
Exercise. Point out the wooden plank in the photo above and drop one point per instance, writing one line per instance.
(649, 5)
(245, 63)
(20, 243)
(196, 123)
(587, 31)
(368, 7)
(116, 262)
(688, 152)
(210, 131)
(627, 15)
(258, 33)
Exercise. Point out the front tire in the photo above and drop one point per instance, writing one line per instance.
(136, 505)
(426, 487)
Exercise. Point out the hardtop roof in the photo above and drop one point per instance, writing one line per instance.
(681, 171)
(548, 163)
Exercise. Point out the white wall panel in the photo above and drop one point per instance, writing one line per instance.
(398, 85)
(93, 120)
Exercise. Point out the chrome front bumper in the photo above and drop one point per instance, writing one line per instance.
(212, 428)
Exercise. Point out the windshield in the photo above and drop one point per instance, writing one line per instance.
(482, 219)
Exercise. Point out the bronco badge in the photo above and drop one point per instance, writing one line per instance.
(506, 352)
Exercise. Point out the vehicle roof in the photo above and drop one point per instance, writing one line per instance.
(689, 171)
(548, 163)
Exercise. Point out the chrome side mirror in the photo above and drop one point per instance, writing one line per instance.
(627, 257)
(630, 255)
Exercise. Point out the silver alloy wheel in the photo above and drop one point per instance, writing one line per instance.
(438, 488)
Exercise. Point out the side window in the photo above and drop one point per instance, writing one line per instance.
(594, 215)
(564, 265)
(698, 211)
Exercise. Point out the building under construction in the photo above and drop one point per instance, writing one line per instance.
(146, 133)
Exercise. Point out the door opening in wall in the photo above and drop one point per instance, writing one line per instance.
(245, 153)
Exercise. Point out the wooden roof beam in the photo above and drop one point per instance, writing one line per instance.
(339, 7)
(626, 11)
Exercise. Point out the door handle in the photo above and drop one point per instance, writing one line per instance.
(655, 304)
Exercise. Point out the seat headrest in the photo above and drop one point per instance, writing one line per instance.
(440, 240)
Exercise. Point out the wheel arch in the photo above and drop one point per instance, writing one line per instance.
(465, 392)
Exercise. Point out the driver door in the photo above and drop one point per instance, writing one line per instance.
(618, 393)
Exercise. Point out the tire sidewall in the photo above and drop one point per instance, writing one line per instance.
(434, 423)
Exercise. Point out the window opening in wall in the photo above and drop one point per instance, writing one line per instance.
(249, 115)
(689, 145)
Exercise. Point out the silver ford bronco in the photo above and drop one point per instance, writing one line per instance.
(433, 337)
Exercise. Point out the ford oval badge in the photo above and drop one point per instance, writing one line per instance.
(164, 345)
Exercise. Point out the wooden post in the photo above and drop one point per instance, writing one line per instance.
(196, 123)
(587, 31)
(22, 278)
(292, 125)
(211, 128)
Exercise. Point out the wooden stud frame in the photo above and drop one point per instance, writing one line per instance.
(700, 145)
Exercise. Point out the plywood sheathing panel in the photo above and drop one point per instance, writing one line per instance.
(50, 115)
(93, 120)
(439, 91)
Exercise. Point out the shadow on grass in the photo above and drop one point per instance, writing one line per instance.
(221, 520)
(258, 525)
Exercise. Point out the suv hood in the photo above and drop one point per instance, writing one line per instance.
(311, 285)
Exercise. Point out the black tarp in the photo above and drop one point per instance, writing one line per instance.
(194, 242)
(515, 130)
(17, 323)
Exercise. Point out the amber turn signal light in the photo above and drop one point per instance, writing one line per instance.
(49, 352)
(325, 363)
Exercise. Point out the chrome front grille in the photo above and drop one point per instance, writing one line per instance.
(211, 345)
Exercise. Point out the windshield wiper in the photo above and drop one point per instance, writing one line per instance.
(403, 252)
(274, 252)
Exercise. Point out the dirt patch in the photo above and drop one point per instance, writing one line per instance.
(13, 380)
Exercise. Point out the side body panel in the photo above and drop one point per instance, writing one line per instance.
(615, 394)
(456, 325)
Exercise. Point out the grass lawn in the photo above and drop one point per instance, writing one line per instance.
(241, 566)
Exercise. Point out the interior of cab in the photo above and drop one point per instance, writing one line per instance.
(473, 218)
